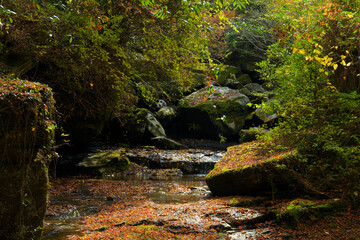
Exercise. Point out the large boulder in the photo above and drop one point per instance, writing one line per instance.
(222, 111)
(26, 117)
(254, 169)
(143, 126)
(191, 161)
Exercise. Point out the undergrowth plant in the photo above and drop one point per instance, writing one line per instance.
(314, 67)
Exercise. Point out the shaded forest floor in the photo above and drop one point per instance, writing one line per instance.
(124, 210)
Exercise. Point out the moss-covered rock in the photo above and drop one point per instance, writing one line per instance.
(26, 117)
(106, 162)
(227, 72)
(237, 83)
(223, 111)
(303, 209)
(253, 169)
(254, 88)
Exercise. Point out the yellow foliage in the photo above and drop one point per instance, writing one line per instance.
(302, 51)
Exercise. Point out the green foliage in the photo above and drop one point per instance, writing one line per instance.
(252, 33)
(314, 70)
(101, 57)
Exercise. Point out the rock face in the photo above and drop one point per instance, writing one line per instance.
(224, 112)
(252, 169)
(26, 117)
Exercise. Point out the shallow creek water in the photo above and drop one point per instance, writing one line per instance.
(173, 203)
(66, 221)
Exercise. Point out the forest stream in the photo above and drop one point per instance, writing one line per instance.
(146, 207)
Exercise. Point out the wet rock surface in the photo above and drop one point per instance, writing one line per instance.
(189, 161)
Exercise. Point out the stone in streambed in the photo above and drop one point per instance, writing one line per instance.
(106, 162)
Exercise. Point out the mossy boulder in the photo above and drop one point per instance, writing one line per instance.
(106, 162)
(222, 111)
(227, 72)
(253, 169)
(27, 125)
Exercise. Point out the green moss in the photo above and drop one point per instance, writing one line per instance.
(101, 229)
(302, 209)
(246, 203)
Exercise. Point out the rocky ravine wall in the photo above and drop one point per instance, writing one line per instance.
(26, 126)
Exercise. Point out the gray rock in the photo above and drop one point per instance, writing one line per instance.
(255, 87)
(166, 114)
(265, 117)
(190, 162)
(161, 103)
(103, 159)
(228, 72)
(153, 125)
